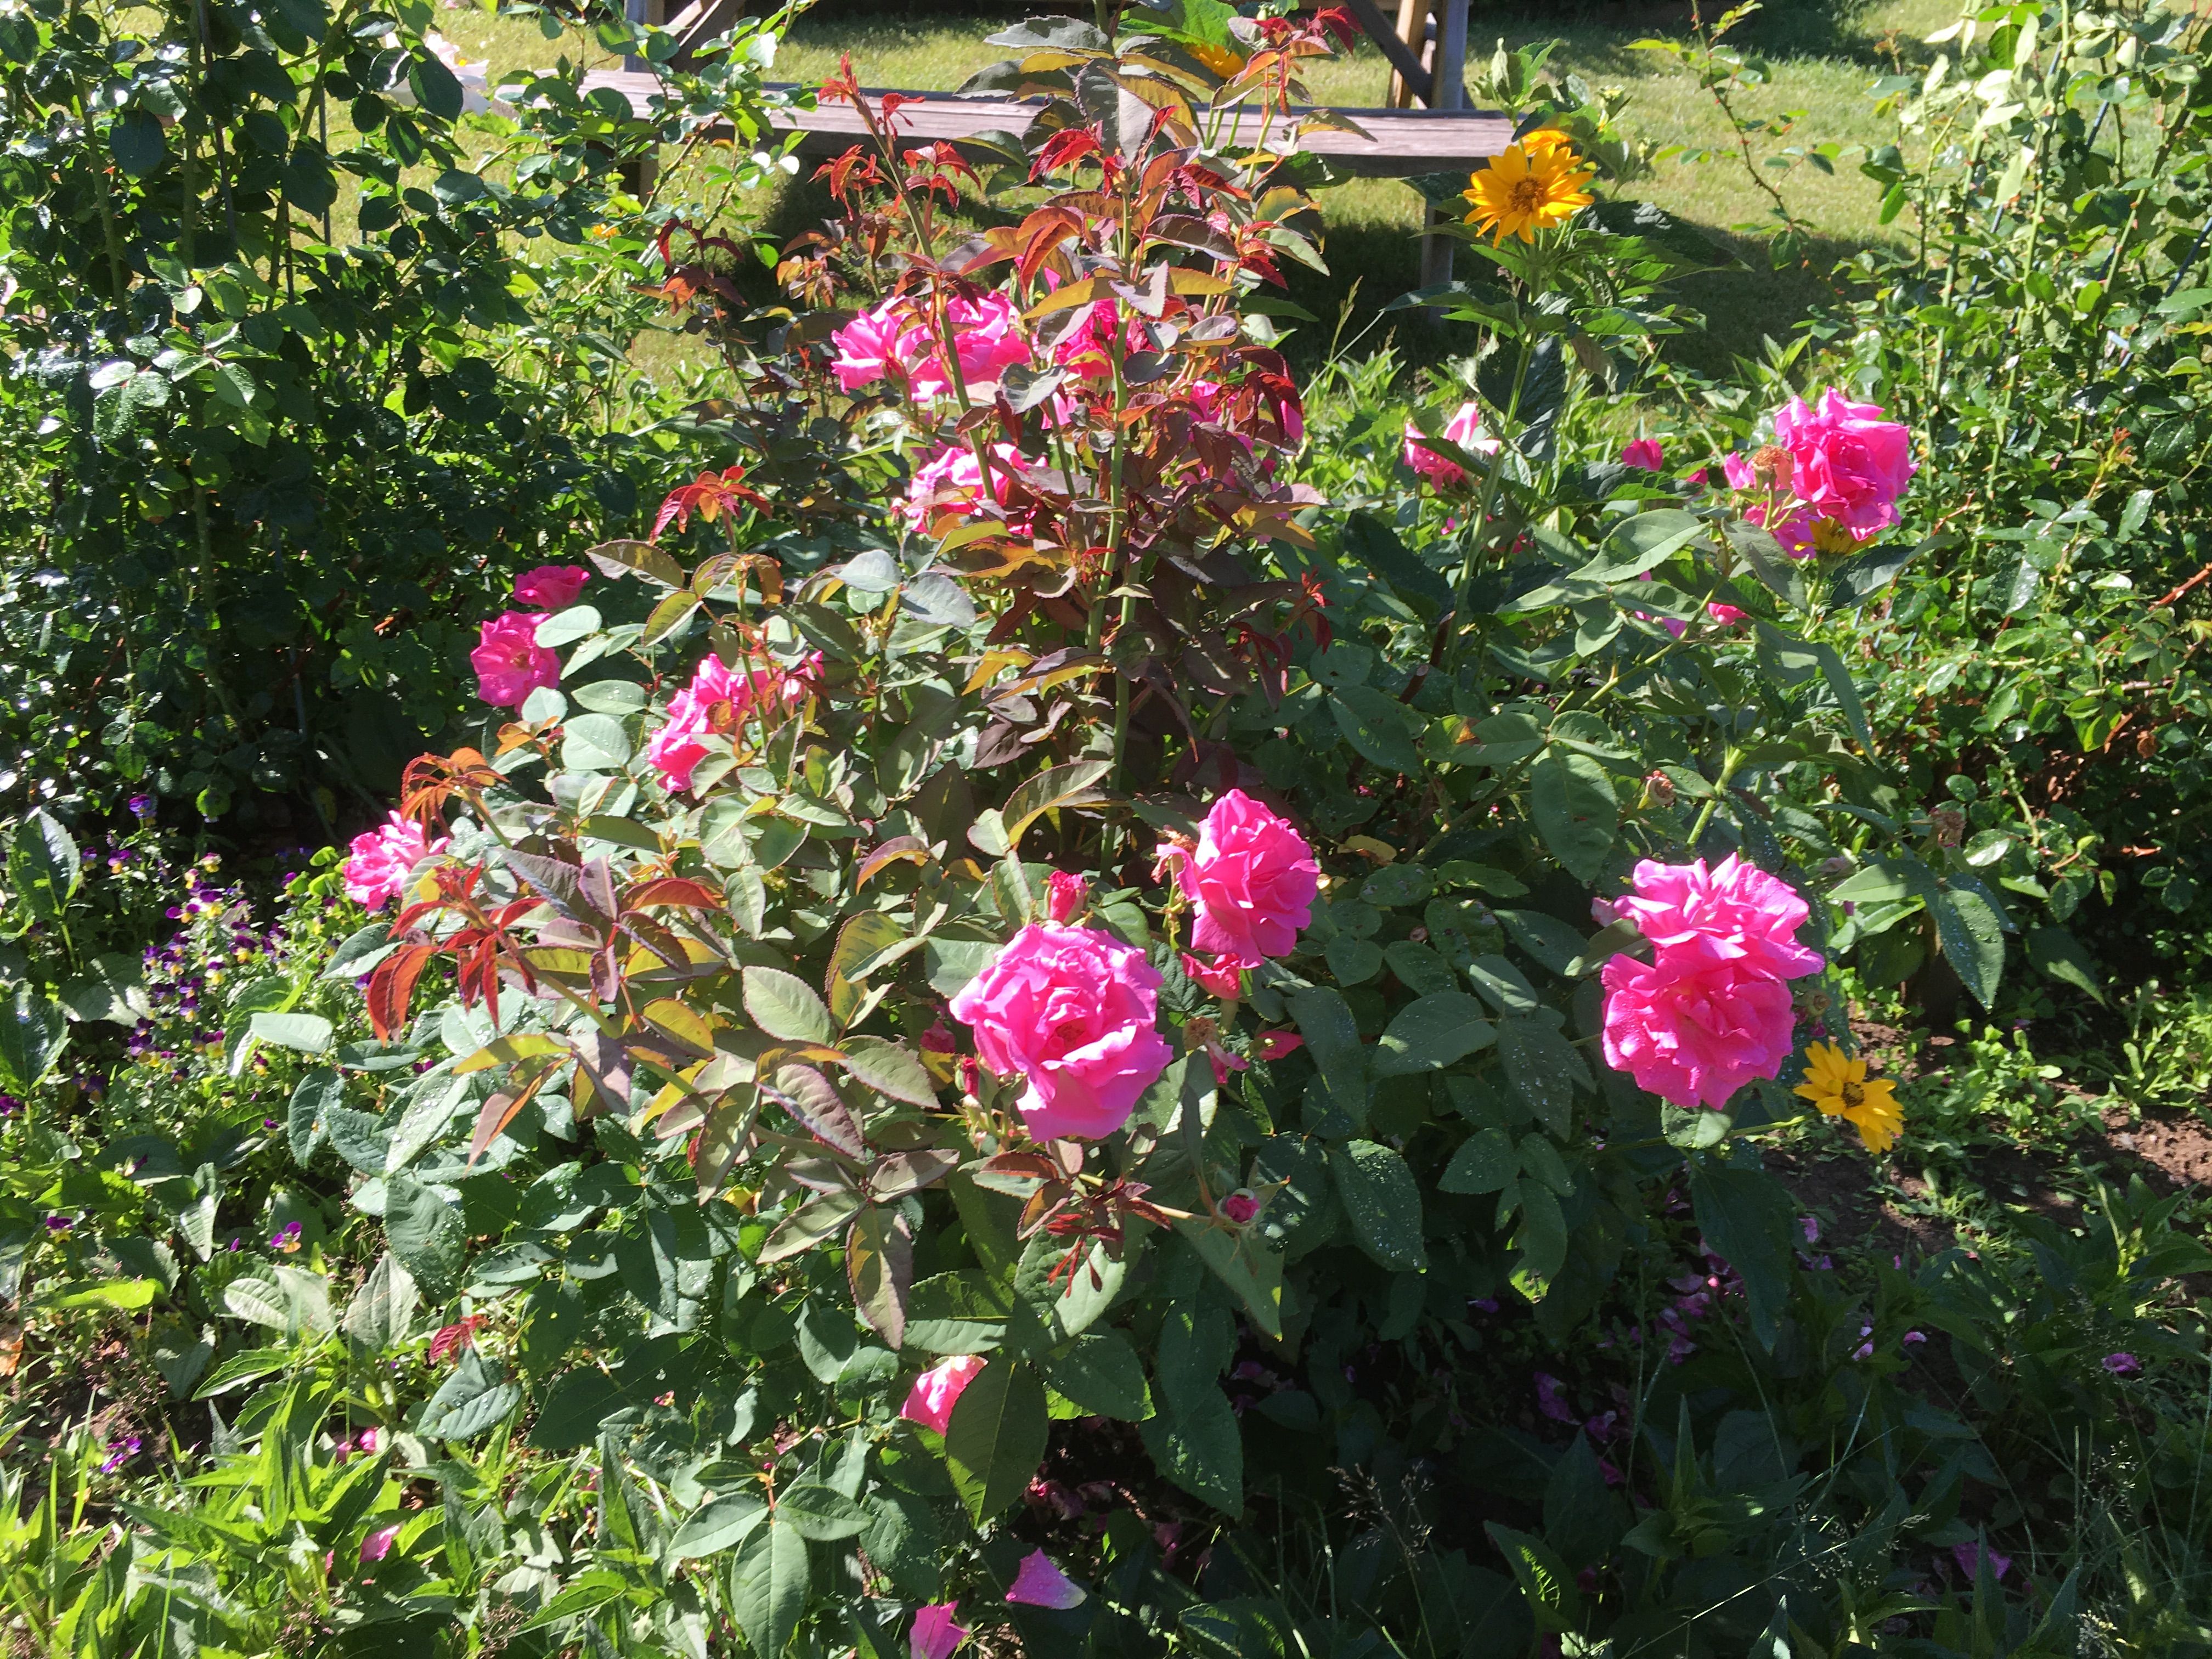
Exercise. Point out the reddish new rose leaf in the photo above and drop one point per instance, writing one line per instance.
(391, 987)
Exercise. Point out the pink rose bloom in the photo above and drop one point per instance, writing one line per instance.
(1253, 878)
(1064, 894)
(1851, 465)
(378, 1544)
(1694, 1033)
(988, 332)
(1240, 1207)
(1735, 914)
(1074, 1011)
(1465, 429)
(930, 1401)
(383, 858)
(717, 702)
(1219, 978)
(1726, 615)
(952, 480)
(551, 587)
(1274, 1045)
(509, 662)
(868, 345)
(1041, 1584)
(1643, 453)
(1086, 349)
(935, 1635)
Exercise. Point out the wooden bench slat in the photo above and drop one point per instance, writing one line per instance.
(1401, 143)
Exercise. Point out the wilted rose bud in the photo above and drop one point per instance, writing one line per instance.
(1950, 824)
(971, 1076)
(1603, 912)
(1813, 1001)
(1065, 895)
(1773, 466)
(938, 1039)
(1662, 788)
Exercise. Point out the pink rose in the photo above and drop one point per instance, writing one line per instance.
(951, 480)
(383, 858)
(1065, 895)
(1851, 465)
(930, 1401)
(509, 662)
(988, 330)
(378, 1544)
(1694, 1033)
(719, 702)
(1240, 1207)
(1041, 1584)
(868, 345)
(1274, 1045)
(1074, 1011)
(1726, 615)
(1643, 453)
(1253, 878)
(1735, 914)
(551, 587)
(1463, 429)
(1219, 978)
(1086, 349)
(935, 1634)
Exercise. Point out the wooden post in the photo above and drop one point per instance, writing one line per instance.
(1449, 77)
(1413, 30)
(638, 176)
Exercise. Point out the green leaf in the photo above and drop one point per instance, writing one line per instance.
(630, 558)
(768, 1581)
(1543, 1067)
(1553, 944)
(1484, 1164)
(1241, 1260)
(1053, 1302)
(44, 865)
(1378, 726)
(1575, 810)
(137, 142)
(1847, 694)
(785, 1006)
(1055, 788)
(890, 1068)
(307, 1034)
(722, 1524)
(1383, 1200)
(382, 1311)
(594, 743)
(1643, 542)
(1101, 1373)
(1747, 1218)
(114, 991)
(2061, 956)
(996, 1438)
(1781, 572)
(1324, 1019)
(1885, 880)
(426, 1234)
(820, 1512)
(123, 1295)
(34, 1032)
(1195, 1441)
(862, 943)
(436, 88)
(1431, 1032)
(1973, 938)
(1543, 1579)
(476, 1396)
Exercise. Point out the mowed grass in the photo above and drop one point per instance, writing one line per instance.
(1823, 59)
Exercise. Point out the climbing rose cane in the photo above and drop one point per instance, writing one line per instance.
(1252, 877)
(1075, 1012)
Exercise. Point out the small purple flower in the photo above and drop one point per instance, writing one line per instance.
(120, 1454)
(1912, 1339)
(141, 806)
(267, 1122)
(58, 1223)
(1487, 1303)
(1551, 1399)
(1971, 1556)
(2122, 1365)
(1811, 1228)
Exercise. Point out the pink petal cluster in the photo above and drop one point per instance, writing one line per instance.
(1645, 454)
(383, 858)
(1709, 1012)
(1075, 1012)
(1851, 465)
(1221, 977)
(1086, 349)
(935, 1392)
(1465, 429)
(935, 1634)
(378, 1544)
(550, 587)
(1253, 878)
(719, 702)
(509, 662)
(1041, 1584)
(896, 336)
(952, 480)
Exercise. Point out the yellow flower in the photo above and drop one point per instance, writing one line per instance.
(1841, 1088)
(1830, 536)
(1222, 61)
(1537, 182)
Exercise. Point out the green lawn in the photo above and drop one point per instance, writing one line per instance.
(1824, 61)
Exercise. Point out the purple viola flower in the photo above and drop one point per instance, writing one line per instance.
(141, 806)
(2122, 1365)
(119, 1454)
